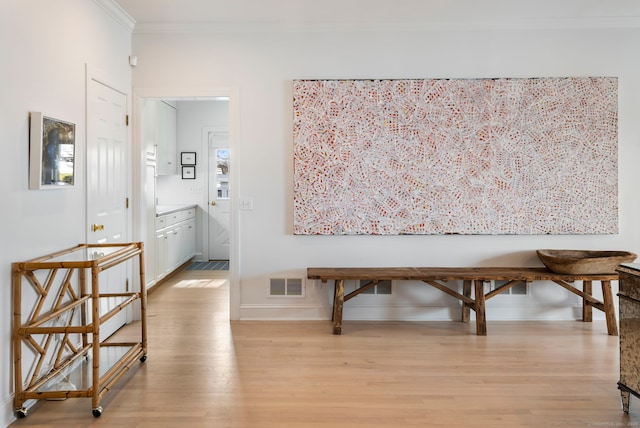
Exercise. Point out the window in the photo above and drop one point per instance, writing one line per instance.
(222, 173)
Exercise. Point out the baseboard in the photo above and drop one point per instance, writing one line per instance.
(9, 413)
(251, 312)
(410, 313)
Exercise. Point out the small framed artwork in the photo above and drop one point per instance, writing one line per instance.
(52, 144)
(187, 158)
(188, 172)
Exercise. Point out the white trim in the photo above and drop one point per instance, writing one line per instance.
(453, 313)
(275, 312)
(564, 23)
(191, 94)
(293, 312)
(121, 16)
(9, 415)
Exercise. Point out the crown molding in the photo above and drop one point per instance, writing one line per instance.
(117, 13)
(581, 23)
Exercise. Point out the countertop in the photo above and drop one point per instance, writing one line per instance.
(168, 209)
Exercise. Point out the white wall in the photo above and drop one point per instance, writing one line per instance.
(262, 67)
(44, 47)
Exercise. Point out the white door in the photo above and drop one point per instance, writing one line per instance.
(219, 204)
(107, 186)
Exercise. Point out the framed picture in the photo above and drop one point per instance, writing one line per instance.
(188, 172)
(52, 144)
(187, 158)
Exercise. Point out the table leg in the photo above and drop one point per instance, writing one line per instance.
(481, 321)
(586, 307)
(609, 309)
(466, 291)
(338, 303)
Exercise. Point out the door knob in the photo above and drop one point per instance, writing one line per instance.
(97, 227)
(213, 203)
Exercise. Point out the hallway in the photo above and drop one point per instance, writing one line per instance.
(204, 371)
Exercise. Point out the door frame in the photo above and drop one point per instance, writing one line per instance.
(197, 94)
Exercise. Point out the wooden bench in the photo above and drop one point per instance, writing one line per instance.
(436, 277)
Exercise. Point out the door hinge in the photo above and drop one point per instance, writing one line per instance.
(126, 203)
(126, 284)
(126, 119)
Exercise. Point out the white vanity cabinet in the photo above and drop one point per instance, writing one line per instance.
(175, 239)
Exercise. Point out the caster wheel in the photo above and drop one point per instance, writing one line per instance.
(21, 413)
(97, 412)
(143, 358)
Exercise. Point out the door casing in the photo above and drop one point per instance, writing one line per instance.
(195, 94)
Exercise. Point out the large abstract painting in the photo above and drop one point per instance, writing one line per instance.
(456, 156)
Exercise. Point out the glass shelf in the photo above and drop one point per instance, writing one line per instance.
(79, 375)
(85, 255)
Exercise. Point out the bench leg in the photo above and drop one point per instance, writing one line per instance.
(586, 307)
(466, 291)
(338, 303)
(609, 309)
(625, 397)
(481, 321)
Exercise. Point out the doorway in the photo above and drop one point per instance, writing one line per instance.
(219, 208)
(197, 191)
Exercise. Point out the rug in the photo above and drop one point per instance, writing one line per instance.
(210, 265)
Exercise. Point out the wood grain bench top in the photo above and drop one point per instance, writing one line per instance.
(450, 273)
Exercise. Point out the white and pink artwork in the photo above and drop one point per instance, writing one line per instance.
(456, 156)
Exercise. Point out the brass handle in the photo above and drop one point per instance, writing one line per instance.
(97, 227)
(213, 203)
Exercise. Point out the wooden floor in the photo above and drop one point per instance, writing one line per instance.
(203, 371)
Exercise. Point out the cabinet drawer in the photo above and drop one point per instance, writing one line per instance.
(161, 222)
(174, 217)
(190, 213)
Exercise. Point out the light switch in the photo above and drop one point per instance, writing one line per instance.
(246, 204)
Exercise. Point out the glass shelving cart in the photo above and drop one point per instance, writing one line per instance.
(64, 306)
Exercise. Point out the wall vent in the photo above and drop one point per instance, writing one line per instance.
(381, 288)
(286, 287)
(520, 289)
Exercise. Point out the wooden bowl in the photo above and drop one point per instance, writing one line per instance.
(581, 262)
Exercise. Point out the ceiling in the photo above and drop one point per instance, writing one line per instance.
(400, 14)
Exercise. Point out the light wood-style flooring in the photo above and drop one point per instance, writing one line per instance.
(204, 371)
